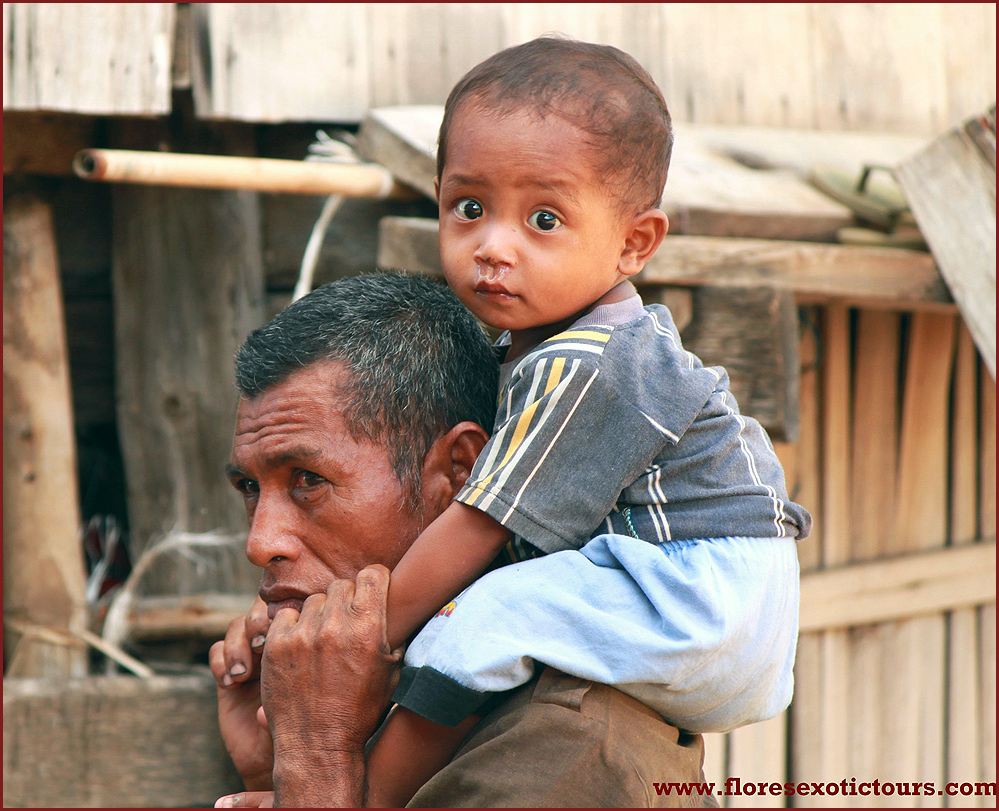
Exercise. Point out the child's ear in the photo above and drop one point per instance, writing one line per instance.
(647, 230)
(437, 189)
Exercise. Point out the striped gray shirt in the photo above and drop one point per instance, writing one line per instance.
(611, 426)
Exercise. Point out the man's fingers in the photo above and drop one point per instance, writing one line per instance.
(256, 625)
(247, 799)
(233, 662)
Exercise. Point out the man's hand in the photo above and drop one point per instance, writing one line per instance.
(235, 663)
(327, 676)
(247, 799)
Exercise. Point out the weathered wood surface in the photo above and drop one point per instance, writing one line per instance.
(113, 742)
(835, 67)
(753, 333)
(898, 588)
(281, 61)
(951, 188)
(722, 182)
(188, 288)
(96, 58)
(43, 560)
(878, 277)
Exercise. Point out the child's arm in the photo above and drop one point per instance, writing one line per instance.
(446, 557)
(409, 751)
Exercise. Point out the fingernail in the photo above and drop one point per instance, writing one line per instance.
(257, 641)
(237, 669)
(226, 680)
(225, 802)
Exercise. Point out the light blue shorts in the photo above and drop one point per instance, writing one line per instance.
(702, 631)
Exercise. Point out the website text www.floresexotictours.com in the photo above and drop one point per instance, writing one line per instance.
(736, 787)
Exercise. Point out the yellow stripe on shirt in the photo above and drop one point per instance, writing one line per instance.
(578, 334)
(520, 431)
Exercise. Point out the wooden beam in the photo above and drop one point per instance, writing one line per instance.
(898, 588)
(199, 615)
(951, 187)
(43, 574)
(878, 277)
(113, 742)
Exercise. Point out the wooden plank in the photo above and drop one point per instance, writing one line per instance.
(951, 188)
(281, 62)
(43, 576)
(719, 185)
(835, 431)
(866, 73)
(969, 40)
(987, 615)
(753, 333)
(716, 762)
(758, 754)
(875, 450)
(44, 143)
(705, 76)
(898, 587)
(179, 616)
(419, 50)
(964, 699)
(914, 655)
(879, 277)
(188, 288)
(805, 488)
(113, 742)
(403, 139)
(96, 58)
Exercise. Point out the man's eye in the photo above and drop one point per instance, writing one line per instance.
(307, 478)
(248, 487)
(468, 209)
(544, 221)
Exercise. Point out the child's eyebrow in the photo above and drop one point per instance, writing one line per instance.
(561, 187)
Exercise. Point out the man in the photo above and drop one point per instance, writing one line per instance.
(360, 418)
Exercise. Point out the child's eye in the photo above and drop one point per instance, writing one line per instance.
(544, 221)
(468, 209)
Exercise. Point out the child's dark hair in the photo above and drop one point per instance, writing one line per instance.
(598, 88)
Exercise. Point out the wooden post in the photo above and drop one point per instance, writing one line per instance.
(188, 287)
(43, 575)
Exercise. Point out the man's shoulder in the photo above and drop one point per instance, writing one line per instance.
(564, 741)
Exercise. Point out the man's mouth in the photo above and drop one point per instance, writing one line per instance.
(278, 598)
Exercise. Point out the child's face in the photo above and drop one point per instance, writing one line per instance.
(530, 234)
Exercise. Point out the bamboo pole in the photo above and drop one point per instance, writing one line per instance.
(226, 172)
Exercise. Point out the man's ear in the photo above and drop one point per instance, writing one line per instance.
(449, 463)
(437, 189)
(647, 230)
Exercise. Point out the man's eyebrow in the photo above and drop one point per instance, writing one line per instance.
(299, 454)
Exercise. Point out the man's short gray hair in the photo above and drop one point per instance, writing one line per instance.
(419, 361)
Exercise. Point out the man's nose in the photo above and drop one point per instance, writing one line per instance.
(497, 251)
(272, 534)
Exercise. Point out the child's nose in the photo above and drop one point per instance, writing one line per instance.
(497, 247)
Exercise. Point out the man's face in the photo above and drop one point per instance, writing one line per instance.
(321, 505)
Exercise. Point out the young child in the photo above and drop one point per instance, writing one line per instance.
(656, 539)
